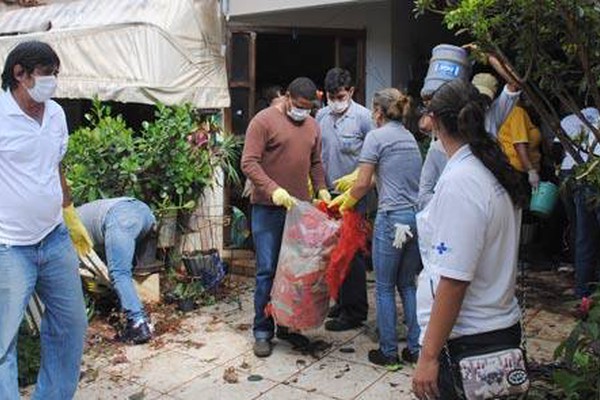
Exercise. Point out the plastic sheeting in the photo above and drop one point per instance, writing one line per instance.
(142, 51)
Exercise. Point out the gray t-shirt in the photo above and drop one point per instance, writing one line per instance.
(434, 164)
(342, 139)
(395, 152)
(92, 216)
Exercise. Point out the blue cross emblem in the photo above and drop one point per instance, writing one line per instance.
(441, 248)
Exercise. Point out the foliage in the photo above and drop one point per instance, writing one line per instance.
(102, 160)
(188, 290)
(551, 47)
(28, 352)
(167, 164)
(581, 352)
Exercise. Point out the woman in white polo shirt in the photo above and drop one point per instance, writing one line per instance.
(468, 237)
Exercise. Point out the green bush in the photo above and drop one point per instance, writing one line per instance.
(102, 160)
(167, 164)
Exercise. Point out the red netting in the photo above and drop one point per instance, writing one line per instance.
(354, 234)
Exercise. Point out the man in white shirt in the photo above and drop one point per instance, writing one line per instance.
(586, 216)
(36, 253)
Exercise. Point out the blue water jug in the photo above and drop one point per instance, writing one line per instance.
(447, 62)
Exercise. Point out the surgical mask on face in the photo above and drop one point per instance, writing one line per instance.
(339, 107)
(298, 114)
(43, 88)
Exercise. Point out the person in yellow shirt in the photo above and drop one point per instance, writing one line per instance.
(520, 140)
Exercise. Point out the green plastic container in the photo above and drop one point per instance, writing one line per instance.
(544, 199)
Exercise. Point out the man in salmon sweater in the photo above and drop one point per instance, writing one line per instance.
(282, 148)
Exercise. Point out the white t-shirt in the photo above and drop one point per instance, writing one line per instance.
(30, 154)
(469, 231)
(574, 127)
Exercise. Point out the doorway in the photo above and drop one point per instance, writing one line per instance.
(260, 57)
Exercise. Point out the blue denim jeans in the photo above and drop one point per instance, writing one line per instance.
(50, 268)
(395, 269)
(125, 225)
(587, 240)
(267, 231)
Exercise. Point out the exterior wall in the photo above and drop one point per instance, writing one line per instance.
(372, 16)
(237, 8)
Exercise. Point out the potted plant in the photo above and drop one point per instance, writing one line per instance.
(186, 294)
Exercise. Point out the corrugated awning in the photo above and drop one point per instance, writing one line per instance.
(140, 51)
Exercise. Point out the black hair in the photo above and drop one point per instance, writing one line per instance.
(272, 92)
(29, 55)
(337, 79)
(303, 87)
(458, 107)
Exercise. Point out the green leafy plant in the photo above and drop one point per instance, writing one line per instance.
(29, 352)
(188, 290)
(581, 353)
(167, 164)
(102, 160)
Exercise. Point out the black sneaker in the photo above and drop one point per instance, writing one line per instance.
(340, 325)
(409, 357)
(334, 311)
(138, 332)
(295, 339)
(378, 358)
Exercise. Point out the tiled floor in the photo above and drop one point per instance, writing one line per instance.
(217, 340)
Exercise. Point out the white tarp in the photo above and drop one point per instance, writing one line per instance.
(140, 51)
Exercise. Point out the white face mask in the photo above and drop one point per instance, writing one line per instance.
(43, 88)
(298, 114)
(339, 107)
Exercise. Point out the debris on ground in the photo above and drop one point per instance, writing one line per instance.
(255, 378)
(230, 375)
(342, 371)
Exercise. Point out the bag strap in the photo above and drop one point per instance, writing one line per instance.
(522, 300)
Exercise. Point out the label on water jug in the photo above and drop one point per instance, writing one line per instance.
(447, 69)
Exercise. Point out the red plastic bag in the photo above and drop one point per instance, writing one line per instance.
(300, 296)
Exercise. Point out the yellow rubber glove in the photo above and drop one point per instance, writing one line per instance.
(282, 198)
(324, 195)
(79, 235)
(345, 182)
(344, 201)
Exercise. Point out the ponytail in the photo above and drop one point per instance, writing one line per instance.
(459, 107)
(394, 105)
(471, 123)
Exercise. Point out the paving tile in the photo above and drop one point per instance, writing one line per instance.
(549, 326)
(361, 345)
(541, 350)
(283, 363)
(165, 371)
(392, 386)
(286, 392)
(215, 347)
(337, 378)
(107, 387)
(212, 386)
